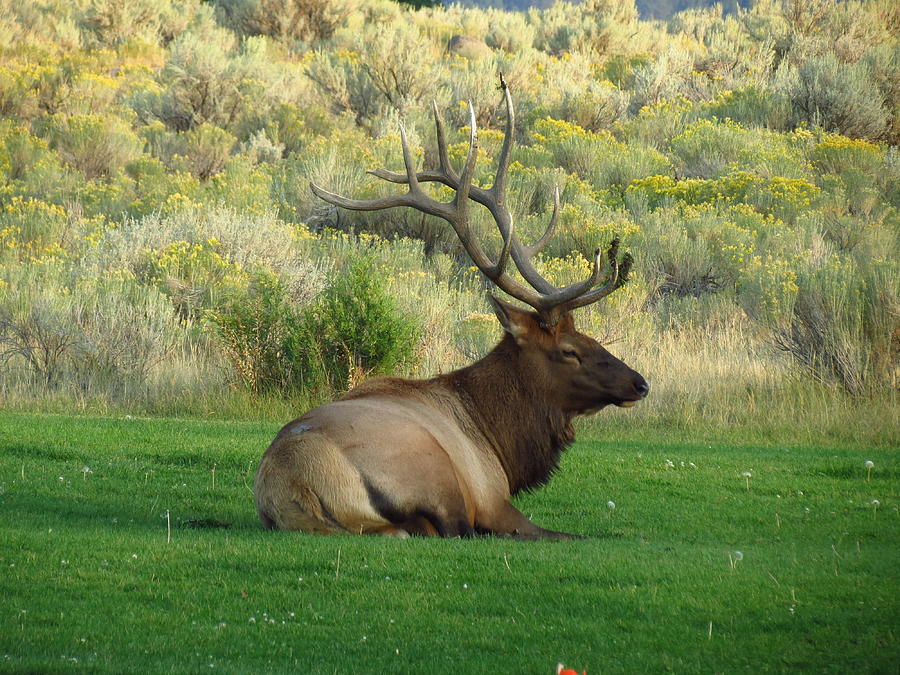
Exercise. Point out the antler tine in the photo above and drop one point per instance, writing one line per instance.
(414, 197)
(446, 174)
(360, 204)
(616, 278)
(461, 200)
(499, 188)
(493, 271)
(408, 163)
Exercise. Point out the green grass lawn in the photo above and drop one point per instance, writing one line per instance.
(89, 580)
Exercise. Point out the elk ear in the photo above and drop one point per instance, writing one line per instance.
(515, 321)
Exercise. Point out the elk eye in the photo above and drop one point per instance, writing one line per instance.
(571, 354)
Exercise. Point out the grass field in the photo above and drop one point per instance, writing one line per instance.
(697, 568)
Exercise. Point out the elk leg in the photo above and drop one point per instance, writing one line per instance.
(427, 512)
(509, 521)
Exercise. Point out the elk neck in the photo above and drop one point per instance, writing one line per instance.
(515, 413)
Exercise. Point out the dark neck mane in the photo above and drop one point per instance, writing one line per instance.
(525, 430)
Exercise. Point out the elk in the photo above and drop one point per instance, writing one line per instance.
(443, 456)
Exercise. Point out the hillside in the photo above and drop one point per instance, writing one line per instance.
(160, 249)
(647, 9)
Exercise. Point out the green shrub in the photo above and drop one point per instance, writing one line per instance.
(344, 85)
(835, 154)
(208, 78)
(303, 21)
(693, 252)
(710, 148)
(509, 31)
(20, 152)
(785, 198)
(840, 97)
(663, 79)
(105, 330)
(600, 26)
(396, 59)
(38, 321)
(575, 149)
(154, 185)
(30, 228)
(125, 330)
(835, 317)
(109, 22)
(655, 125)
(192, 275)
(241, 186)
(360, 327)
(353, 330)
(95, 145)
(202, 150)
(271, 344)
(752, 106)
(597, 106)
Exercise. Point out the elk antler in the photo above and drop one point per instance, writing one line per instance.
(550, 301)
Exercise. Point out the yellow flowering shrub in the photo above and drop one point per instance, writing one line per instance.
(195, 276)
(156, 188)
(836, 153)
(784, 198)
(31, 228)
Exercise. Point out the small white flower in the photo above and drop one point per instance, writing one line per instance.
(466, 586)
(692, 465)
(875, 502)
(747, 474)
(669, 464)
(869, 464)
(611, 505)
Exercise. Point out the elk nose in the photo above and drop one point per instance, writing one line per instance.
(642, 387)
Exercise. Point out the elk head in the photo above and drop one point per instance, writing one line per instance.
(573, 370)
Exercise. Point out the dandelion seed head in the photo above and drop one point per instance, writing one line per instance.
(611, 505)
(869, 464)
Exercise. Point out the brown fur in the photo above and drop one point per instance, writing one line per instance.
(443, 456)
